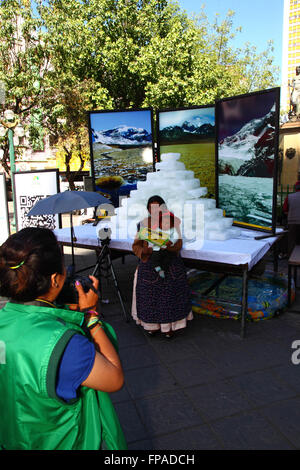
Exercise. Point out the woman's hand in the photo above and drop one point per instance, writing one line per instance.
(147, 250)
(174, 247)
(87, 300)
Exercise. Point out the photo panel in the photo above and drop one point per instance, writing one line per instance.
(190, 132)
(29, 188)
(122, 150)
(247, 134)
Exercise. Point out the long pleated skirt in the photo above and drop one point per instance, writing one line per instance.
(161, 303)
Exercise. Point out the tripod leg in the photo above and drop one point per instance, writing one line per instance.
(98, 264)
(97, 273)
(117, 287)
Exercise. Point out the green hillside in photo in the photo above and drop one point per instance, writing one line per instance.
(199, 158)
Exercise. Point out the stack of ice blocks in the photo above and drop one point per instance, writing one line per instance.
(183, 195)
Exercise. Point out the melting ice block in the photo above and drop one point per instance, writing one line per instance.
(190, 184)
(206, 203)
(215, 225)
(213, 214)
(228, 222)
(183, 195)
(198, 192)
(169, 157)
(217, 235)
(172, 165)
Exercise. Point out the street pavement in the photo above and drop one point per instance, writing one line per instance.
(205, 388)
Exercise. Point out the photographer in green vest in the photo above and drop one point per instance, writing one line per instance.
(57, 365)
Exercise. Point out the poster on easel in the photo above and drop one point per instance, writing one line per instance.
(247, 134)
(29, 188)
(4, 215)
(190, 132)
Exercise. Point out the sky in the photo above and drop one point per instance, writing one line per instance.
(177, 118)
(261, 20)
(110, 120)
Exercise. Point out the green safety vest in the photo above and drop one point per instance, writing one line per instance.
(32, 416)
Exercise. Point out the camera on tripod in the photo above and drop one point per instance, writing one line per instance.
(104, 235)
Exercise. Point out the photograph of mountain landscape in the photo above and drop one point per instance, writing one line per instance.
(247, 136)
(121, 150)
(190, 132)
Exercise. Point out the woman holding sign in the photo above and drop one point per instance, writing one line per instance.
(161, 294)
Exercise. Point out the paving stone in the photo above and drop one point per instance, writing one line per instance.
(120, 395)
(218, 400)
(289, 374)
(175, 349)
(138, 356)
(293, 319)
(249, 431)
(167, 412)
(127, 334)
(149, 381)
(281, 331)
(141, 445)
(130, 421)
(261, 387)
(214, 338)
(285, 415)
(250, 356)
(194, 370)
(195, 438)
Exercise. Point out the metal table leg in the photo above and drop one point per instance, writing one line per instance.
(289, 284)
(244, 302)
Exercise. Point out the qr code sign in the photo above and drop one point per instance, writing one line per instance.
(45, 220)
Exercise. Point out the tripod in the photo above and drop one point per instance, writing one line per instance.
(105, 257)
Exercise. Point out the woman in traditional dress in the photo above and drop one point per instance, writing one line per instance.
(161, 294)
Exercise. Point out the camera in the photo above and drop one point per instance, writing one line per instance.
(104, 234)
(69, 294)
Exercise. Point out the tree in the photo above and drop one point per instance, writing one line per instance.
(73, 56)
(24, 63)
(150, 53)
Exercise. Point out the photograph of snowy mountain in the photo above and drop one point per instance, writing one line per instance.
(247, 148)
(121, 150)
(191, 132)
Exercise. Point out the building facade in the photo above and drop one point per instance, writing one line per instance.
(291, 50)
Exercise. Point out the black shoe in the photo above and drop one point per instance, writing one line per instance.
(169, 335)
(151, 332)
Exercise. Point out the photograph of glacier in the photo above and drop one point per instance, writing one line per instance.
(122, 152)
(246, 157)
(191, 132)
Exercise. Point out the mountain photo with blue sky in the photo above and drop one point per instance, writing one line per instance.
(122, 152)
(191, 132)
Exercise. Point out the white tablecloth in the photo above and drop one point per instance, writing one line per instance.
(237, 251)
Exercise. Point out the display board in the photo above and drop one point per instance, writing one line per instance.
(29, 188)
(247, 133)
(122, 150)
(190, 132)
(4, 216)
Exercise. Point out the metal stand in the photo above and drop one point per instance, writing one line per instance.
(244, 302)
(105, 257)
(73, 238)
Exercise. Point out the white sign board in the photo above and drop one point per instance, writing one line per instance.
(29, 188)
(4, 218)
